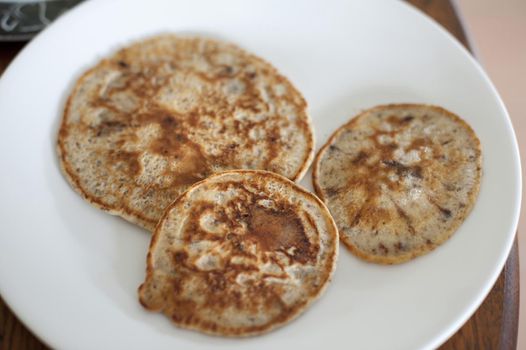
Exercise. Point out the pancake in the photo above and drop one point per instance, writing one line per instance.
(143, 125)
(239, 254)
(399, 180)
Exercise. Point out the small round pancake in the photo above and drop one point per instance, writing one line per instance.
(239, 254)
(143, 125)
(399, 180)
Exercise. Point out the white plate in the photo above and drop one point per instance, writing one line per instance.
(70, 271)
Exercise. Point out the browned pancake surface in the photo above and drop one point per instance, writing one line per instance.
(163, 113)
(239, 254)
(399, 180)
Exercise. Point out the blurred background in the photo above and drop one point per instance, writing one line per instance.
(497, 31)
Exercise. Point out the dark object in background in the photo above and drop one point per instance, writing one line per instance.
(21, 21)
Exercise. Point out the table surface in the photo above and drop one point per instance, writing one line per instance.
(493, 326)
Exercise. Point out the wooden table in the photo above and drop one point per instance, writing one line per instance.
(494, 324)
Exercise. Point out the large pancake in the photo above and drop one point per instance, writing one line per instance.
(240, 253)
(399, 180)
(163, 113)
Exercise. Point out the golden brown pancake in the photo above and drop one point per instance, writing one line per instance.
(143, 125)
(399, 180)
(239, 254)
